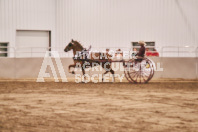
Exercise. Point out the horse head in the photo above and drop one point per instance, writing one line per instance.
(75, 45)
(69, 46)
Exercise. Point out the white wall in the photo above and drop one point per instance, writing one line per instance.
(39, 41)
(26, 15)
(103, 23)
(118, 22)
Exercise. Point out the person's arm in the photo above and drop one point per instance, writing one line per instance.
(140, 52)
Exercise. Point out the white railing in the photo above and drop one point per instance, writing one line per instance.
(165, 51)
(180, 51)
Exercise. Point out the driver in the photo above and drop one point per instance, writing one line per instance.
(142, 49)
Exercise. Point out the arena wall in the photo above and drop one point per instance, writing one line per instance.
(102, 23)
(29, 68)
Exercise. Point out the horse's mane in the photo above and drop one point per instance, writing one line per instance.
(78, 44)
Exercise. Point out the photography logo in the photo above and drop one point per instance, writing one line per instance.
(87, 66)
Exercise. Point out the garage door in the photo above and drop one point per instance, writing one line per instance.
(32, 43)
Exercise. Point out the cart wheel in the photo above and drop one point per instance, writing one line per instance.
(127, 67)
(140, 72)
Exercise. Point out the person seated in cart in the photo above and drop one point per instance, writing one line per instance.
(140, 55)
(141, 52)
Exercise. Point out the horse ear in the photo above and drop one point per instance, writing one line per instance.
(72, 40)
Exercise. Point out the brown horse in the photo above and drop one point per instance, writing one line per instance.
(95, 59)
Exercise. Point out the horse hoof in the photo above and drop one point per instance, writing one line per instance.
(73, 72)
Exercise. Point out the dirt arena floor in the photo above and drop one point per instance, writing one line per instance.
(72, 107)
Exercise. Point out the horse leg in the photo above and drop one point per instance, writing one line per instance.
(108, 69)
(83, 71)
(70, 67)
(113, 77)
(103, 75)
